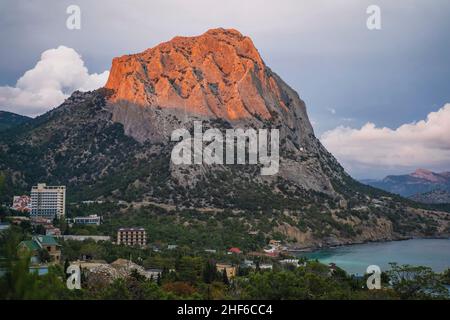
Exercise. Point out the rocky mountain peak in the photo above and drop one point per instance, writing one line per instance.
(428, 175)
(218, 74)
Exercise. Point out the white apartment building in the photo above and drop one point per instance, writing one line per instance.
(48, 201)
(92, 219)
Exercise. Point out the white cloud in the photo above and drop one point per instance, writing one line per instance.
(57, 74)
(332, 110)
(371, 151)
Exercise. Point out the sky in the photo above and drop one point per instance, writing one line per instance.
(376, 98)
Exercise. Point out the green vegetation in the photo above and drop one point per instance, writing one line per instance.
(190, 274)
(10, 120)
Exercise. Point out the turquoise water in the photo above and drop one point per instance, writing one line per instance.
(355, 259)
(40, 270)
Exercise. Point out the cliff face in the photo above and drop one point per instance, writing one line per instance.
(218, 75)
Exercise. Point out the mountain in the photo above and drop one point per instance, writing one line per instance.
(9, 120)
(433, 197)
(114, 144)
(420, 181)
(217, 76)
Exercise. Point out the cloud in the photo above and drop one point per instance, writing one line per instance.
(332, 110)
(57, 74)
(369, 151)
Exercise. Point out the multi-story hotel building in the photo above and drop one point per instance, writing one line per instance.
(132, 236)
(48, 201)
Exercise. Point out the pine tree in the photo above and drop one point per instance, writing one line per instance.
(225, 277)
(66, 265)
(209, 271)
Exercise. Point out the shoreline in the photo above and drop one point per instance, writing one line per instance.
(333, 246)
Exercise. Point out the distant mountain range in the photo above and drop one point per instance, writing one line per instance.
(419, 182)
(9, 120)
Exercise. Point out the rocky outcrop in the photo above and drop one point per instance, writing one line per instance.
(217, 76)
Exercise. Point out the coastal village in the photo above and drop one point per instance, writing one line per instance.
(45, 207)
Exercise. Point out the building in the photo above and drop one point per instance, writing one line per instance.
(85, 237)
(154, 273)
(48, 201)
(21, 203)
(52, 231)
(266, 266)
(4, 226)
(36, 221)
(92, 219)
(38, 243)
(234, 250)
(248, 264)
(229, 269)
(17, 220)
(132, 236)
(293, 262)
(275, 243)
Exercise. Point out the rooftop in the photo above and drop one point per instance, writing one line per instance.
(131, 229)
(46, 240)
(30, 245)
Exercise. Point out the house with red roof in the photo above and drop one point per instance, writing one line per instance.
(234, 250)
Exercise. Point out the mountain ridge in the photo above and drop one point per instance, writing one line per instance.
(108, 148)
(417, 182)
(9, 120)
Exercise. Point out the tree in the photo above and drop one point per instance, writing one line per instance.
(136, 275)
(26, 226)
(117, 291)
(19, 283)
(446, 277)
(39, 229)
(209, 271)
(158, 279)
(2, 182)
(66, 266)
(179, 288)
(225, 277)
(44, 256)
(416, 282)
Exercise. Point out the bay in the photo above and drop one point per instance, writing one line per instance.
(355, 259)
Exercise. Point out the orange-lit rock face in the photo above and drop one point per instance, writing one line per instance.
(219, 73)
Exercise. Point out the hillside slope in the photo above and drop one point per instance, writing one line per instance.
(10, 120)
(113, 144)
